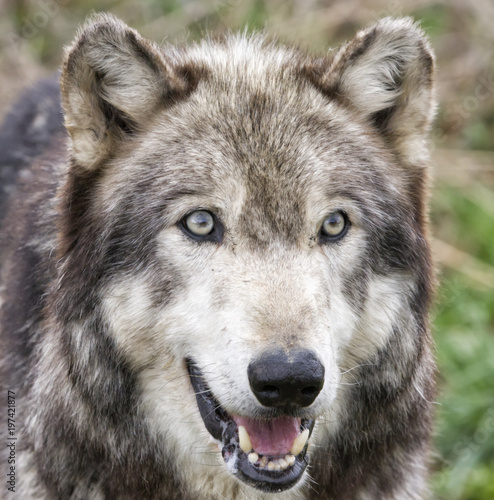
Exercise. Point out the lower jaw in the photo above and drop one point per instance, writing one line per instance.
(258, 474)
(263, 472)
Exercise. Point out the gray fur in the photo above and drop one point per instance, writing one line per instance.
(103, 297)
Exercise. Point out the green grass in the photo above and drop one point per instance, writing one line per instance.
(464, 333)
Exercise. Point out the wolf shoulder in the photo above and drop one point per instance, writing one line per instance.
(32, 126)
(32, 155)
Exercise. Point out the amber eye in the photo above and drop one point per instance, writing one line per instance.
(334, 226)
(200, 223)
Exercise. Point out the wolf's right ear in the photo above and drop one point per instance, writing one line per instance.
(112, 82)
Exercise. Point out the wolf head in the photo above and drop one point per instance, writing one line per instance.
(246, 226)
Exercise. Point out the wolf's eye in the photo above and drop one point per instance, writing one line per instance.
(335, 225)
(202, 225)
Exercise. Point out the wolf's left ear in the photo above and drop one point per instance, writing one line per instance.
(386, 74)
(112, 83)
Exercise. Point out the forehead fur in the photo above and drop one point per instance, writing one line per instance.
(256, 126)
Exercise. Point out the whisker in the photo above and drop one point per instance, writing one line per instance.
(357, 366)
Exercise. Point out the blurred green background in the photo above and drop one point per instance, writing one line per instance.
(32, 36)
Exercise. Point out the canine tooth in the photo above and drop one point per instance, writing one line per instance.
(299, 442)
(290, 459)
(253, 457)
(283, 463)
(244, 439)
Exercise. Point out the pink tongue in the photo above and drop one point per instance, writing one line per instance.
(271, 437)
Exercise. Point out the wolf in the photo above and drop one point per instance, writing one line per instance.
(215, 270)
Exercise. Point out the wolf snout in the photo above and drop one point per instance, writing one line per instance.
(278, 378)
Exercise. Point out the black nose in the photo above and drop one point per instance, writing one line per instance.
(280, 379)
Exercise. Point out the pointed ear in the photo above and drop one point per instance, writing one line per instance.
(112, 82)
(386, 74)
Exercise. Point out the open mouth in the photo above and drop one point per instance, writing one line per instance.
(268, 454)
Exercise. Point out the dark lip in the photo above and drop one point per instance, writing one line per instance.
(222, 427)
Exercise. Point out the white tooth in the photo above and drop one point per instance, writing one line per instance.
(283, 463)
(244, 439)
(299, 442)
(290, 459)
(263, 462)
(253, 457)
(271, 466)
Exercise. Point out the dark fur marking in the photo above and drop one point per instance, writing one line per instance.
(117, 118)
(192, 74)
(112, 395)
(381, 118)
(356, 284)
(363, 46)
